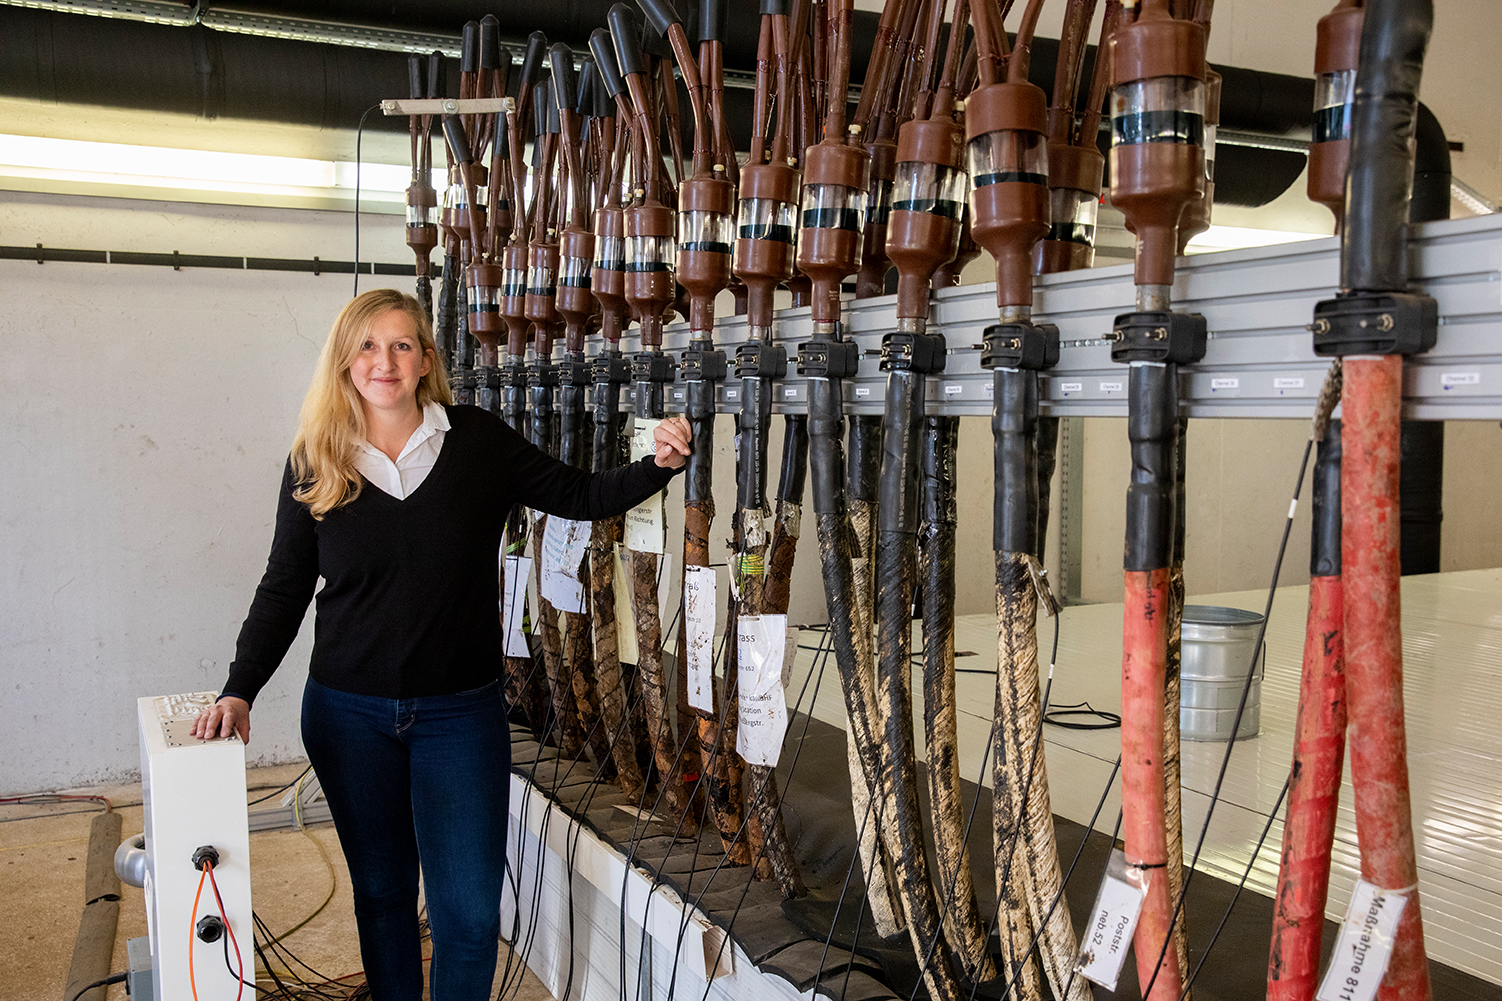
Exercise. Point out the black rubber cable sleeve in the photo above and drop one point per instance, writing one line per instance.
(1324, 544)
(825, 451)
(699, 404)
(1048, 452)
(571, 444)
(754, 418)
(864, 469)
(1374, 241)
(607, 402)
(1014, 420)
(794, 473)
(1152, 428)
(541, 413)
(897, 503)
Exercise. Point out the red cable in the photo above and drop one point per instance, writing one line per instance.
(239, 962)
(193, 935)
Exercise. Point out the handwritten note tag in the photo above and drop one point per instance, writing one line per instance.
(646, 524)
(1113, 920)
(513, 605)
(698, 621)
(564, 543)
(761, 645)
(1359, 961)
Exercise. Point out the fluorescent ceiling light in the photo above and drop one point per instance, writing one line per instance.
(203, 170)
(1237, 237)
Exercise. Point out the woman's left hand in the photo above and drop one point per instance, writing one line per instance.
(674, 442)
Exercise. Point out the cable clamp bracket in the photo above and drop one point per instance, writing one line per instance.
(913, 352)
(574, 372)
(651, 366)
(829, 359)
(702, 362)
(611, 369)
(542, 374)
(1020, 345)
(1159, 336)
(1377, 323)
(760, 360)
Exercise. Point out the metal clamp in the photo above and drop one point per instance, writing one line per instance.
(828, 359)
(1020, 345)
(1158, 336)
(702, 362)
(574, 371)
(1381, 323)
(651, 366)
(542, 374)
(611, 369)
(913, 352)
(760, 360)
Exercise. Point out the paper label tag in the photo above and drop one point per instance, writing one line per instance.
(790, 392)
(953, 389)
(862, 391)
(761, 645)
(646, 526)
(1359, 961)
(1288, 382)
(732, 394)
(1110, 387)
(698, 622)
(513, 604)
(1448, 380)
(1225, 383)
(1071, 387)
(1113, 920)
(564, 543)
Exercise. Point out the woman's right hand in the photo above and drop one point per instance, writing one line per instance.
(228, 715)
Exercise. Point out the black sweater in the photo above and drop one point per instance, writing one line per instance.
(410, 602)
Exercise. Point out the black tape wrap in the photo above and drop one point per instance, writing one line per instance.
(713, 16)
(936, 465)
(660, 14)
(490, 42)
(571, 444)
(542, 423)
(897, 498)
(826, 451)
(487, 389)
(543, 111)
(607, 448)
(1048, 452)
(700, 408)
(514, 404)
(437, 77)
(1152, 427)
(1374, 241)
(414, 76)
(626, 35)
(453, 132)
(773, 7)
(1324, 544)
(565, 81)
(648, 398)
(752, 423)
(1180, 493)
(864, 470)
(603, 49)
(469, 48)
(532, 59)
(589, 82)
(1014, 424)
(794, 459)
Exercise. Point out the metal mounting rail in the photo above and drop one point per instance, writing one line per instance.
(1259, 304)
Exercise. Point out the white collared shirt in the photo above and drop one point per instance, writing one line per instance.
(416, 460)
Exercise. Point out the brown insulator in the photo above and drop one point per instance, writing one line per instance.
(1196, 219)
(928, 203)
(872, 278)
(765, 231)
(1336, 50)
(422, 228)
(607, 279)
(1157, 132)
(513, 292)
(836, 180)
(542, 283)
(706, 234)
(485, 322)
(1004, 129)
(650, 259)
(575, 302)
(1074, 183)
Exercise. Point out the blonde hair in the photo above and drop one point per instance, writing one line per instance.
(332, 419)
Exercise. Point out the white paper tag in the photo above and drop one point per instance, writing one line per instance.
(761, 645)
(518, 569)
(1288, 382)
(790, 392)
(625, 625)
(563, 545)
(1113, 920)
(1071, 387)
(1225, 383)
(698, 622)
(646, 527)
(1359, 961)
(1110, 387)
(953, 389)
(1449, 380)
(862, 391)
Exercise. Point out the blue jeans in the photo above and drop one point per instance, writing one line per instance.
(418, 781)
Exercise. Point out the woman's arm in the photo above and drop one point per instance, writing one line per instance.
(545, 483)
(281, 600)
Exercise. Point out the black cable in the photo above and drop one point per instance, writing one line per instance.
(1110, 720)
(113, 978)
(1246, 689)
(359, 136)
(281, 789)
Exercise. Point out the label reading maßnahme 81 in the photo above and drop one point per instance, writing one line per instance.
(1366, 937)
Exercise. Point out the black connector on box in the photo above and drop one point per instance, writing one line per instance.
(702, 362)
(207, 853)
(1028, 346)
(923, 353)
(1158, 336)
(1378, 323)
(760, 360)
(542, 374)
(651, 366)
(210, 928)
(829, 359)
(612, 369)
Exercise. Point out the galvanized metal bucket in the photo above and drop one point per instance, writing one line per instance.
(1219, 649)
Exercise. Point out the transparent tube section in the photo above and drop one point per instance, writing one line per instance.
(710, 232)
(833, 206)
(513, 283)
(1008, 155)
(931, 188)
(650, 253)
(484, 299)
(765, 219)
(574, 272)
(610, 253)
(1074, 214)
(1334, 96)
(1209, 152)
(880, 202)
(542, 281)
(1164, 109)
(419, 215)
(455, 197)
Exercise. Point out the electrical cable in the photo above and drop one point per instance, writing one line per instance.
(359, 137)
(113, 978)
(193, 934)
(280, 789)
(229, 930)
(1111, 720)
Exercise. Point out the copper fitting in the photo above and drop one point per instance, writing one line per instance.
(542, 283)
(512, 298)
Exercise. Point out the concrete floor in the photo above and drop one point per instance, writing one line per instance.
(42, 856)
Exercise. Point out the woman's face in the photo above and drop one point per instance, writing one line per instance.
(390, 363)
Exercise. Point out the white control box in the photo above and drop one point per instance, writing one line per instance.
(194, 795)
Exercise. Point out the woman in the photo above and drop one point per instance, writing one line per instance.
(396, 498)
